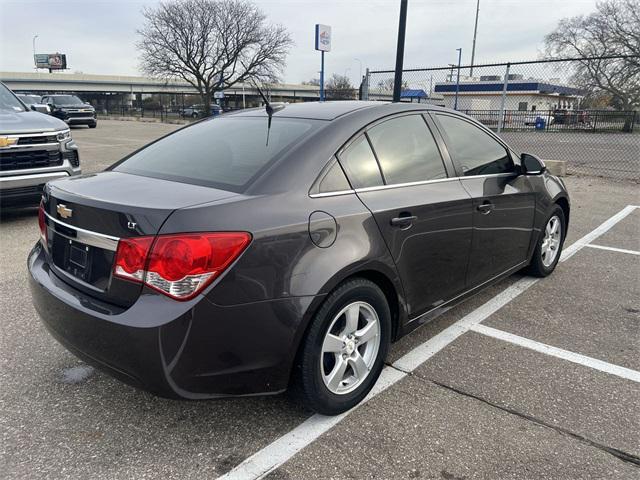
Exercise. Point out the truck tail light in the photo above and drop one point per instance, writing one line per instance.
(178, 265)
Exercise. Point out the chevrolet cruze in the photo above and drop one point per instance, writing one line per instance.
(253, 251)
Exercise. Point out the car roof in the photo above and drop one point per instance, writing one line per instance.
(333, 109)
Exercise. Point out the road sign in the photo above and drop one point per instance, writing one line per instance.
(323, 37)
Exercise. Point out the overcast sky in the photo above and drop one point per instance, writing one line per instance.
(99, 36)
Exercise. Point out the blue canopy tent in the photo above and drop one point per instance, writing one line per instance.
(413, 95)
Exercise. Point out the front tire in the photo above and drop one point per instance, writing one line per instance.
(345, 348)
(549, 247)
(93, 125)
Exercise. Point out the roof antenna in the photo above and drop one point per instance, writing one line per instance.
(271, 108)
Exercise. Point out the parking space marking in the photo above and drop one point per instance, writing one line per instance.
(594, 363)
(284, 448)
(275, 454)
(613, 249)
(591, 236)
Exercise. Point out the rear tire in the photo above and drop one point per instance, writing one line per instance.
(549, 246)
(345, 348)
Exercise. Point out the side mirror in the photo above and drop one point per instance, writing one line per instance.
(532, 165)
(33, 107)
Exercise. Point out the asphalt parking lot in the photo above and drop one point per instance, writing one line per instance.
(528, 379)
(612, 154)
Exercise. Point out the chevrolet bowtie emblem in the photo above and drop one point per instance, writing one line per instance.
(63, 211)
(8, 141)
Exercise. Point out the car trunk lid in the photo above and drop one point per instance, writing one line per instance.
(87, 215)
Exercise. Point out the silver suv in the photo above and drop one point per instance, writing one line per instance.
(34, 148)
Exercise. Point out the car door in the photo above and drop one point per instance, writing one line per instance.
(424, 215)
(503, 200)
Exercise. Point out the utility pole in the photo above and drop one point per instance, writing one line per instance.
(475, 32)
(455, 104)
(402, 28)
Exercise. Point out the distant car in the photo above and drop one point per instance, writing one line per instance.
(572, 117)
(531, 118)
(34, 148)
(213, 262)
(72, 110)
(34, 102)
(197, 111)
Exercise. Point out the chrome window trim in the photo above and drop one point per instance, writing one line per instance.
(400, 185)
(410, 184)
(332, 194)
(489, 175)
(88, 237)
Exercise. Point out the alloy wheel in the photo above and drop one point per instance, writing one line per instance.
(551, 241)
(350, 348)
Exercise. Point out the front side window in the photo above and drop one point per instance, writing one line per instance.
(360, 164)
(406, 150)
(473, 149)
(225, 152)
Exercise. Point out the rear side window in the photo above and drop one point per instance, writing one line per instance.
(360, 164)
(473, 149)
(225, 152)
(406, 150)
(332, 179)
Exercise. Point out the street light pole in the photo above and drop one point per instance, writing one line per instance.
(475, 32)
(35, 65)
(402, 28)
(455, 104)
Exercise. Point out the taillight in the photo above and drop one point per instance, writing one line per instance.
(131, 257)
(179, 265)
(42, 223)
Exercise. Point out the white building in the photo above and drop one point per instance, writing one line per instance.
(522, 95)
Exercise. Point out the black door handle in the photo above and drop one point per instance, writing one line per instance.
(404, 221)
(485, 208)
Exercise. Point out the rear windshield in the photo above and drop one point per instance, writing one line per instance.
(225, 152)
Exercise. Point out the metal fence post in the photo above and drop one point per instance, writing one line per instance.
(365, 86)
(504, 97)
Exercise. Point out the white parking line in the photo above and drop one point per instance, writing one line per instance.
(559, 353)
(613, 249)
(282, 449)
(591, 236)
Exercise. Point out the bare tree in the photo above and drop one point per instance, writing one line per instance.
(387, 84)
(613, 29)
(339, 88)
(211, 44)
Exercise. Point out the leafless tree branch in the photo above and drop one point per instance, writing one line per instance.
(211, 44)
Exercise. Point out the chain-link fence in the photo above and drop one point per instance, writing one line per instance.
(540, 107)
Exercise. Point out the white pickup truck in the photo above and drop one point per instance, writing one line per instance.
(34, 148)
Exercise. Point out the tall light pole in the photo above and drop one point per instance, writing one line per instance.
(35, 65)
(475, 32)
(455, 103)
(402, 29)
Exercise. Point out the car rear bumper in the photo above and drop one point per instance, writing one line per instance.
(191, 350)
